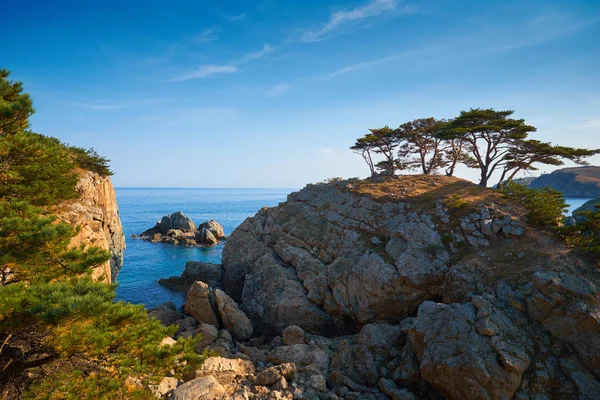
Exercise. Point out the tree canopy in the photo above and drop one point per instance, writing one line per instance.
(489, 140)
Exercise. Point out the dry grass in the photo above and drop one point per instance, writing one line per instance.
(422, 191)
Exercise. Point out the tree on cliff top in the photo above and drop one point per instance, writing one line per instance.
(491, 136)
(15, 106)
(422, 145)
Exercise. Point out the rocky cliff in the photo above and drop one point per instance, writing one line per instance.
(96, 214)
(411, 288)
(572, 182)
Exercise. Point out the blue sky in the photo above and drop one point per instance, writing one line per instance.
(272, 93)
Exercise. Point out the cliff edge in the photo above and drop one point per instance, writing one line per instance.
(96, 214)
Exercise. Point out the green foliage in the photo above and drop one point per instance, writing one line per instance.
(34, 246)
(84, 322)
(90, 160)
(15, 106)
(585, 235)
(545, 206)
(454, 202)
(51, 312)
(36, 168)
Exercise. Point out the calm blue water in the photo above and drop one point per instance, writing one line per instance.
(144, 262)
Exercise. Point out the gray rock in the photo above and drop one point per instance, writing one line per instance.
(204, 388)
(293, 335)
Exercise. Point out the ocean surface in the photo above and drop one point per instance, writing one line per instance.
(144, 262)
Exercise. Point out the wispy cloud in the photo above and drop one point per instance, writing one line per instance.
(233, 18)
(267, 48)
(211, 70)
(206, 71)
(494, 40)
(369, 64)
(342, 18)
(208, 35)
(278, 90)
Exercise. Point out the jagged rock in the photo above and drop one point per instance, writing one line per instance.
(165, 387)
(214, 307)
(209, 334)
(301, 355)
(199, 303)
(215, 229)
(293, 335)
(232, 318)
(225, 369)
(363, 357)
(460, 359)
(96, 215)
(176, 220)
(206, 237)
(204, 388)
(271, 375)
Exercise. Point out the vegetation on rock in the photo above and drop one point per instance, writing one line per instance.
(61, 334)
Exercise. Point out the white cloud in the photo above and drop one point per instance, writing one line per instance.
(337, 19)
(212, 70)
(207, 71)
(208, 35)
(267, 48)
(369, 64)
(278, 90)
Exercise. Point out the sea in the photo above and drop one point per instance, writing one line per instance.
(145, 263)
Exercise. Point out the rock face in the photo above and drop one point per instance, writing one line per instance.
(405, 296)
(97, 214)
(176, 228)
(211, 274)
(572, 182)
(316, 255)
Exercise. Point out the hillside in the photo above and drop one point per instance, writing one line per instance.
(572, 182)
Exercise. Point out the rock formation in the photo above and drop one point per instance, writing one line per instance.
(413, 288)
(572, 182)
(176, 228)
(96, 213)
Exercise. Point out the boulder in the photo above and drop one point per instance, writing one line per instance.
(213, 306)
(293, 335)
(232, 318)
(199, 303)
(204, 388)
(211, 274)
(177, 220)
(204, 236)
(302, 355)
(214, 228)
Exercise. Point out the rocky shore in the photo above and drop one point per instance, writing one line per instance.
(413, 288)
(178, 229)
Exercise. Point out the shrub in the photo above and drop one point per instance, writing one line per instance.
(545, 206)
(90, 160)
